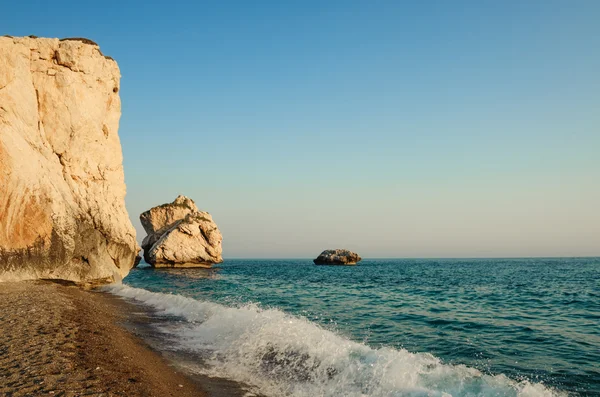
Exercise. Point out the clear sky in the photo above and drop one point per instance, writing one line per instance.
(393, 128)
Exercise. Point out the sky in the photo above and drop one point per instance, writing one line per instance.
(392, 128)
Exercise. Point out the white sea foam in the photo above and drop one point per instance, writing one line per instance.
(285, 355)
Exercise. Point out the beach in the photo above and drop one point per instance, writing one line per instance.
(302, 199)
(63, 341)
(282, 328)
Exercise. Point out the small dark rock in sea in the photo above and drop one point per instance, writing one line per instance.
(337, 257)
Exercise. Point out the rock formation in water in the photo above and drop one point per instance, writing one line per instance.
(180, 235)
(62, 188)
(337, 257)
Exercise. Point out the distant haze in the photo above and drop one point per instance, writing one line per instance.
(396, 129)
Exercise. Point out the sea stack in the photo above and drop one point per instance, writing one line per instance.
(337, 257)
(62, 188)
(180, 235)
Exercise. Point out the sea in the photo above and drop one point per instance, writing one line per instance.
(385, 327)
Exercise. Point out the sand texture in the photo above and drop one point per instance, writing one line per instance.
(62, 341)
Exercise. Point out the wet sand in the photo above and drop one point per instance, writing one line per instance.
(62, 341)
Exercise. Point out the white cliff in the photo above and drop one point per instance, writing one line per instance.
(62, 189)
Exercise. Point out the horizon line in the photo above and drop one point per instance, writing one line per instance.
(441, 257)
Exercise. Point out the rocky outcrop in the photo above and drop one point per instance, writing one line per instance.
(62, 189)
(337, 257)
(157, 220)
(180, 235)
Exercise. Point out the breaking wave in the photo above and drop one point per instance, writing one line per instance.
(285, 355)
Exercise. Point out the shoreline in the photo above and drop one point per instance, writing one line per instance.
(64, 341)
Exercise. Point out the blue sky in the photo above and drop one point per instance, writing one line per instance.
(397, 129)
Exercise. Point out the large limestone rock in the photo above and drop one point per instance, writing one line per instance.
(337, 257)
(180, 235)
(156, 221)
(62, 189)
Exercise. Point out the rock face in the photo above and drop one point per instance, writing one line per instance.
(337, 257)
(62, 189)
(180, 235)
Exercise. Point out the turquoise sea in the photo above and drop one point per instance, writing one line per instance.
(387, 327)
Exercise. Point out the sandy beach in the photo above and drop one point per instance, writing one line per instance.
(62, 341)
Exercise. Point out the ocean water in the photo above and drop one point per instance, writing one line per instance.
(389, 327)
